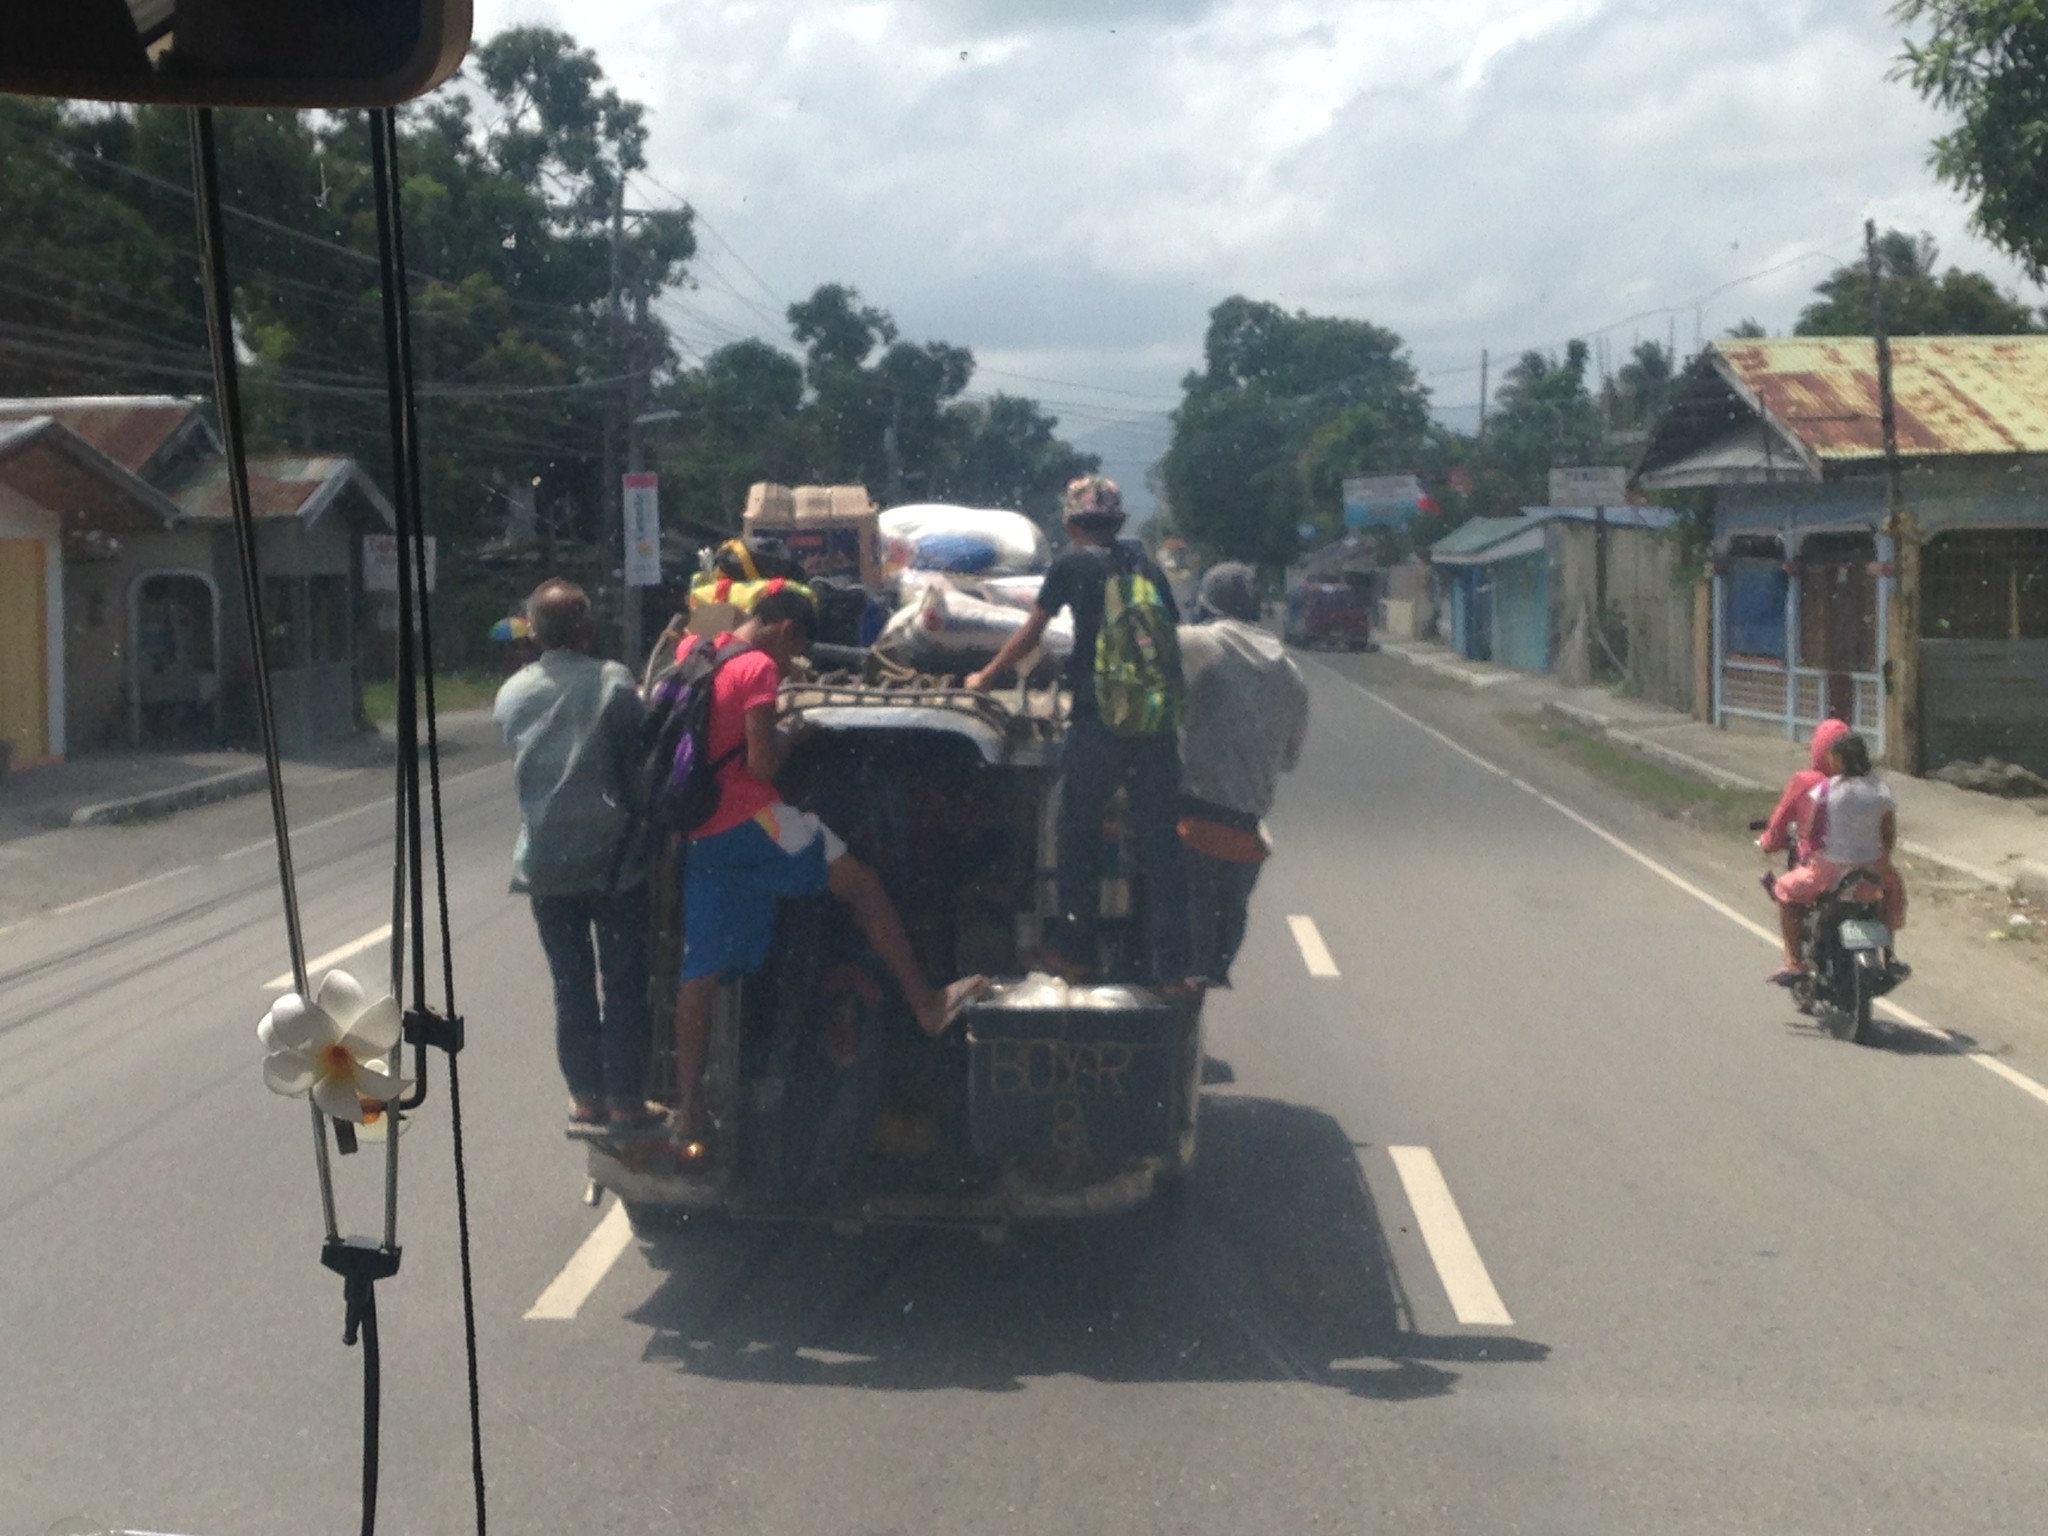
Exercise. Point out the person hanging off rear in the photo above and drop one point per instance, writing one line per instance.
(752, 851)
(1129, 700)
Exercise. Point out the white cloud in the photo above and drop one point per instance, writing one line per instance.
(1078, 181)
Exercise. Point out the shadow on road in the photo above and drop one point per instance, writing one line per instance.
(1275, 1267)
(1896, 1038)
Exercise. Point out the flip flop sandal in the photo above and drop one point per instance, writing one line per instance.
(650, 1117)
(971, 989)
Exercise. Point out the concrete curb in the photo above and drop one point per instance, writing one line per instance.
(1449, 670)
(1684, 762)
(162, 802)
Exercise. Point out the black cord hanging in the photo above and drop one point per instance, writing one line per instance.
(423, 1026)
(361, 1262)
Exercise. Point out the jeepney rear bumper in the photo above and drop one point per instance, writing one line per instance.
(1016, 1198)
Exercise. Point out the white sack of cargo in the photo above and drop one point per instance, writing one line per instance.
(975, 541)
(942, 630)
(1013, 591)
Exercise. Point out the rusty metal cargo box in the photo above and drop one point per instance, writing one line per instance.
(1073, 1071)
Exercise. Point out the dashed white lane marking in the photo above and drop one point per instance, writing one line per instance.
(1315, 954)
(1886, 1006)
(1451, 1249)
(347, 951)
(587, 1266)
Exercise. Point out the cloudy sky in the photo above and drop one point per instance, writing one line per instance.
(1067, 186)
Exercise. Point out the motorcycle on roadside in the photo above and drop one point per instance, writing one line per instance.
(1845, 952)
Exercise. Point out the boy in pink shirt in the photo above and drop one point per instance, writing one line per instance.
(755, 851)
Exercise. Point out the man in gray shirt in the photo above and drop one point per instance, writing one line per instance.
(1247, 719)
(573, 723)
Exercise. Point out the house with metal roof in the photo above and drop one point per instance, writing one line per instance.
(121, 616)
(1787, 435)
(1527, 591)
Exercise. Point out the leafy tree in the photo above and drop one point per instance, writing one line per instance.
(1917, 302)
(1544, 418)
(862, 406)
(524, 369)
(94, 300)
(1286, 406)
(1746, 329)
(1640, 389)
(1004, 454)
(1985, 62)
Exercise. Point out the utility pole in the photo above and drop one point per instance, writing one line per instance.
(892, 445)
(1482, 395)
(1902, 705)
(612, 490)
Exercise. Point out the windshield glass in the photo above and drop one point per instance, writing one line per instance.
(1194, 765)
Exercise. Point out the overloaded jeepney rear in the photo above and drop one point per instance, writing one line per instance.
(827, 1102)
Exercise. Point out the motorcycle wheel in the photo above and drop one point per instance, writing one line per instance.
(1858, 1003)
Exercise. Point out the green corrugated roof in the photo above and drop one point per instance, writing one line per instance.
(1480, 533)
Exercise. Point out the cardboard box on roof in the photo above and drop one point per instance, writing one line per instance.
(831, 529)
(769, 503)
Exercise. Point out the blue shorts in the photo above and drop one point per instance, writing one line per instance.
(733, 882)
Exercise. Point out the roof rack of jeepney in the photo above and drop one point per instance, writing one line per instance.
(1019, 717)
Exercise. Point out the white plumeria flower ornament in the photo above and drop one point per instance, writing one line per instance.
(334, 1048)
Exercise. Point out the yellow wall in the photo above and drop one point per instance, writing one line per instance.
(24, 649)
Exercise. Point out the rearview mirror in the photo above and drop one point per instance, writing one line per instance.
(255, 53)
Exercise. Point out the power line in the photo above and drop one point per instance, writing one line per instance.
(712, 230)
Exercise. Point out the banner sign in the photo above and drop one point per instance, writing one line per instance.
(380, 562)
(642, 502)
(1381, 501)
(1591, 485)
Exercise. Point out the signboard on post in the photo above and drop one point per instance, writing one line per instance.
(1383, 501)
(1590, 485)
(641, 499)
(380, 562)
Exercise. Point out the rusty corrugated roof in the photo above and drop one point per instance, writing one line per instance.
(280, 485)
(129, 429)
(1953, 395)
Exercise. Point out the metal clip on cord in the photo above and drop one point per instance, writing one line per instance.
(426, 1029)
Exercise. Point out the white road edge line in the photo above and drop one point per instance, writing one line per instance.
(1888, 1008)
(1474, 1301)
(346, 951)
(1315, 954)
(587, 1266)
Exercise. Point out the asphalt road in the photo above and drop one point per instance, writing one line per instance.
(1539, 1214)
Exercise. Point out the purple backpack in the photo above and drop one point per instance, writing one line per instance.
(678, 775)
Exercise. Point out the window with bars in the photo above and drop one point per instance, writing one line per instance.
(1989, 584)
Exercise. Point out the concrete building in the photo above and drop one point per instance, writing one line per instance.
(1786, 434)
(121, 620)
(1540, 588)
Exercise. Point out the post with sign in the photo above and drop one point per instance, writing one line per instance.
(641, 498)
(380, 575)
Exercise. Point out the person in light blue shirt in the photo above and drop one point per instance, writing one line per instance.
(573, 723)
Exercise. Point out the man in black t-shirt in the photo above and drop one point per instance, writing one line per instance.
(1095, 760)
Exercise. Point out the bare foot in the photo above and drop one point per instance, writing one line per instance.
(939, 1009)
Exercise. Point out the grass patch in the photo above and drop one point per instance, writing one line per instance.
(452, 691)
(1664, 790)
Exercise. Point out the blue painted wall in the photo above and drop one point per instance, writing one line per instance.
(1521, 613)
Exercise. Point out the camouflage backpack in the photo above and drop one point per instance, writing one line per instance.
(1139, 690)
